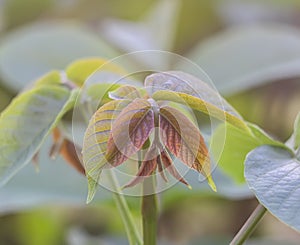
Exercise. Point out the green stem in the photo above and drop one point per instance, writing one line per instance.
(149, 212)
(131, 230)
(249, 226)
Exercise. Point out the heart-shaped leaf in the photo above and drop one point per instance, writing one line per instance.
(130, 131)
(183, 139)
(273, 174)
(95, 141)
(27, 121)
(188, 90)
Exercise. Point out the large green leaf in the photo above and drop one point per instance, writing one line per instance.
(245, 57)
(230, 147)
(188, 90)
(273, 174)
(26, 122)
(34, 50)
(30, 188)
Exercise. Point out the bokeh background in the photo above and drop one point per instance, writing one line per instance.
(250, 49)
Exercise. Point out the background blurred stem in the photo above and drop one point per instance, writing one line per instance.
(249, 226)
(149, 212)
(131, 230)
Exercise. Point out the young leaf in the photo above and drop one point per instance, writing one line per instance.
(273, 174)
(188, 90)
(26, 122)
(167, 162)
(95, 141)
(184, 140)
(80, 70)
(67, 149)
(147, 167)
(130, 131)
(125, 92)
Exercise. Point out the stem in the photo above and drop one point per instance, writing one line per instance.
(131, 230)
(249, 226)
(149, 212)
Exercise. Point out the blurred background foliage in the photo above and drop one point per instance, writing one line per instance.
(250, 49)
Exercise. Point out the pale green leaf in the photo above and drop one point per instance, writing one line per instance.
(80, 70)
(273, 174)
(202, 106)
(95, 141)
(231, 145)
(26, 122)
(188, 90)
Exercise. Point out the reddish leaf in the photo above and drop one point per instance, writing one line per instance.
(67, 149)
(167, 162)
(130, 131)
(146, 169)
(161, 169)
(184, 140)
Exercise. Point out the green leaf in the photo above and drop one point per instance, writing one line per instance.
(188, 90)
(95, 141)
(27, 121)
(230, 147)
(51, 78)
(30, 189)
(130, 131)
(125, 92)
(273, 174)
(33, 50)
(80, 70)
(183, 140)
(245, 57)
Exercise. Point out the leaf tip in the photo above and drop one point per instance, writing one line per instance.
(211, 183)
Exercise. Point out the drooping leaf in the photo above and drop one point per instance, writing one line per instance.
(130, 131)
(167, 162)
(273, 174)
(184, 140)
(95, 141)
(125, 92)
(80, 70)
(27, 121)
(186, 89)
(68, 150)
(230, 146)
(147, 167)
